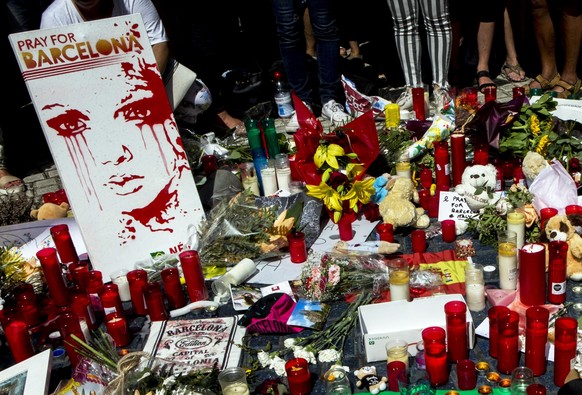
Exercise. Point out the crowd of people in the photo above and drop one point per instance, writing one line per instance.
(440, 45)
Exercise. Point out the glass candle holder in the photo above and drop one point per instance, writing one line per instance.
(456, 325)
(517, 91)
(396, 374)
(536, 389)
(336, 381)
(418, 104)
(435, 354)
(269, 178)
(507, 342)
(249, 178)
(119, 278)
(173, 288)
(397, 350)
(418, 238)
(79, 272)
(532, 279)
(448, 231)
(521, 378)
(557, 272)
(154, 299)
(192, 270)
(458, 160)
(298, 376)
(564, 347)
(53, 274)
(507, 257)
(466, 374)
(442, 165)
(573, 209)
(516, 223)
(137, 280)
(536, 338)
(64, 243)
(209, 164)
(297, 247)
(481, 154)
(19, 340)
(69, 325)
(118, 328)
(233, 381)
(424, 199)
(475, 287)
(493, 314)
(392, 115)
(81, 305)
(385, 232)
(399, 279)
(426, 178)
(110, 299)
(490, 93)
(94, 290)
(545, 214)
(283, 172)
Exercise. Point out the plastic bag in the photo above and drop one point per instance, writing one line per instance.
(359, 103)
(554, 187)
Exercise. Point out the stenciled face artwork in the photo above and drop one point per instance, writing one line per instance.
(124, 145)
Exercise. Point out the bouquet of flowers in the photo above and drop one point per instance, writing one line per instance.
(332, 276)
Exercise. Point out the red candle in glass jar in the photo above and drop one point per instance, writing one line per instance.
(507, 342)
(53, 275)
(424, 198)
(110, 299)
(118, 328)
(466, 374)
(27, 304)
(433, 205)
(298, 376)
(297, 247)
(64, 243)
(418, 238)
(193, 274)
(557, 272)
(457, 157)
(536, 389)
(154, 298)
(435, 355)
(573, 209)
(19, 340)
(536, 338)
(69, 325)
(345, 228)
(448, 230)
(532, 282)
(137, 280)
(385, 232)
(481, 154)
(418, 104)
(209, 164)
(426, 178)
(173, 288)
(518, 176)
(493, 314)
(456, 324)
(94, 289)
(517, 91)
(442, 164)
(79, 272)
(545, 214)
(490, 93)
(395, 370)
(81, 306)
(564, 347)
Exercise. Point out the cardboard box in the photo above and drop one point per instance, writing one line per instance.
(404, 320)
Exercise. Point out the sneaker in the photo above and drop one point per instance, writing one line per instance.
(293, 124)
(405, 100)
(442, 98)
(333, 111)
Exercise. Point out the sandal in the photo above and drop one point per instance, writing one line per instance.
(507, 68)
(568, 89)
(544, 83)
(483, 74)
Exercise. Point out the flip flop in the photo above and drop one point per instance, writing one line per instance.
(507, 68)
(11, 184)
(568, 88)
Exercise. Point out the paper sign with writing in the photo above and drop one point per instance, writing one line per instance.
(454, 206)
(104, 111)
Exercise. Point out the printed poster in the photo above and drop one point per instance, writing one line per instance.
(110, 128)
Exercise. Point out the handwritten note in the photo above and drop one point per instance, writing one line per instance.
(454, 206)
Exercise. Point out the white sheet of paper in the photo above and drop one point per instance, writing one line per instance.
(275, 271)
(454, 206)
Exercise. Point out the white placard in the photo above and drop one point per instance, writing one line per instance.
(104, 111)
(454, 206)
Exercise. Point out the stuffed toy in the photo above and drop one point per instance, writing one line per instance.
(560, 228)
(50, 211)
(532, 165)
(478, 186)
(368, 379)
(398, 208)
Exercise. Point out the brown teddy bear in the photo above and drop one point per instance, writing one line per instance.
(50, 211)
(368, 379)
(560, 228)
(398, 208)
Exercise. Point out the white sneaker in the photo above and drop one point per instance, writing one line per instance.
(405, 100)
(333, 111)
(293, 124)
(441, 97)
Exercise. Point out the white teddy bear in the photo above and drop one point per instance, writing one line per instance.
(478, 186)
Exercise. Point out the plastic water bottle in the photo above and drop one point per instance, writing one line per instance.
(283, 97)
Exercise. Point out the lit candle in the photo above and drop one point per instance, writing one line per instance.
(119, 330)
(532, 276)
(298, 376)
(507, 256)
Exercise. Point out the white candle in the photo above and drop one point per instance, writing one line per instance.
(120, 279)
(507, 266)
(236, 389)
(239, 273)
(516, 223)
(252, 183)
(269, 178)
(399, 285)
(283, 172)
(475, 295)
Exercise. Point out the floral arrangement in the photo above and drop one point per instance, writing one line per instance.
(332, 276)
(342, 191)
(493, 218)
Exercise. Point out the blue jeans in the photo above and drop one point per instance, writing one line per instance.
(289, 20)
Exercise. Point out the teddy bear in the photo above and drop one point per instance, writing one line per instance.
(50, 211)
(478, 186)
(560, 228)
(368, 379)
(532, 165)
(398, 207)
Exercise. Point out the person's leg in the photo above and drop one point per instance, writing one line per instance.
(289, 20)
(484, 43)
(545, 38)
(405, 17)
(309, 37)
(571, 38)
(511, 67)
(438, 27)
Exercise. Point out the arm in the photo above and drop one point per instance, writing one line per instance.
(162, 54)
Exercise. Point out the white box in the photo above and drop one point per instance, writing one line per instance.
(404, 320)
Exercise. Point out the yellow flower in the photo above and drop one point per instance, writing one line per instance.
(543, 145)
(361, 191)
(330, 197)
(327, 154)
(354, 169)
(534, 125)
